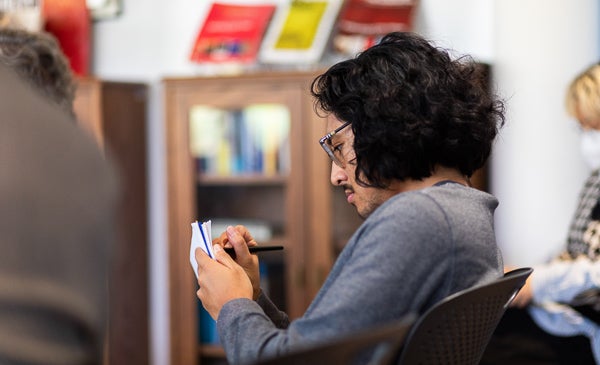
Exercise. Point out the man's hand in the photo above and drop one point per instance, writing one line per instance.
(240, 239)
(220, 280)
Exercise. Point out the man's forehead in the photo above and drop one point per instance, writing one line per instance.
(333, 122)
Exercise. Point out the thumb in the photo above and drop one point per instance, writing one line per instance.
(201, 256)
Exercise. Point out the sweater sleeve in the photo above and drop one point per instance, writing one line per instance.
(246, 331)
(279, 318)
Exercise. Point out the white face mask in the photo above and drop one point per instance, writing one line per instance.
(590, 148)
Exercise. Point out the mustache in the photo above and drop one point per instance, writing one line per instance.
(346, 187)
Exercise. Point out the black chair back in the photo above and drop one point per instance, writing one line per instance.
(457, 330)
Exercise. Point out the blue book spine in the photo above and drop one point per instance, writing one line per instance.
(207, 327)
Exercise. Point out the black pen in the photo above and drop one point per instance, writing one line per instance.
(254, 249)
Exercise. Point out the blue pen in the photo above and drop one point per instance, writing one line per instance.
(204, 240)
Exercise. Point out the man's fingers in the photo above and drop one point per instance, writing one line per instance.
(223, 257)
(234, 237)
(220, 256)
(222, 240)
(243, 231)
(201, 257)
(238, 242)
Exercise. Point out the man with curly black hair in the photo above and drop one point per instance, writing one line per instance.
(409, 126)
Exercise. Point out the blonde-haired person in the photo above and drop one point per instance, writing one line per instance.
(544, 326)
(583, 104)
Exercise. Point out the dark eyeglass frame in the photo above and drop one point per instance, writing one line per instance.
(326, 147)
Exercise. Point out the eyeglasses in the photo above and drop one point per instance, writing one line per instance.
(334, 153)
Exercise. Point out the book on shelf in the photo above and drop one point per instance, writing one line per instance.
(363, 22)
(207, 327)
(249, 140)
(232, 33)
(300, 31)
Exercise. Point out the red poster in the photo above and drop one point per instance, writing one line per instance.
(376, 17)
(232, 33)
(69, 21)
(362, 23)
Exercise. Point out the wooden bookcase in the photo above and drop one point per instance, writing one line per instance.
(299, 202)
(115, 113)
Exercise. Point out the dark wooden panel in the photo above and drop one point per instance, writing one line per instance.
(124, 126)
(115, 113)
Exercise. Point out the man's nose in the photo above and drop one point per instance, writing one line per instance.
(338, 175)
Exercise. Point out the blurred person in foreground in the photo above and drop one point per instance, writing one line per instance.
(553, 319)
(57, 199)
(407, 126)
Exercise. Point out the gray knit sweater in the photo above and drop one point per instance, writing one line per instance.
(414, 250)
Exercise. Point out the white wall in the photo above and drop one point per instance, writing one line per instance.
(535, 47)
(540, 46)
(464, 26)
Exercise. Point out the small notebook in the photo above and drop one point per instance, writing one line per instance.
(201, 237)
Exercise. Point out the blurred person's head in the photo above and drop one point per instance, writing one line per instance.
(583, 98)
(39, 60)
(583, 103)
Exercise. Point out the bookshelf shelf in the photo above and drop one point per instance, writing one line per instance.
(248, 179)
(212, 351)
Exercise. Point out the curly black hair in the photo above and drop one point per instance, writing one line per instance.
(38, 59)
(411, 107)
